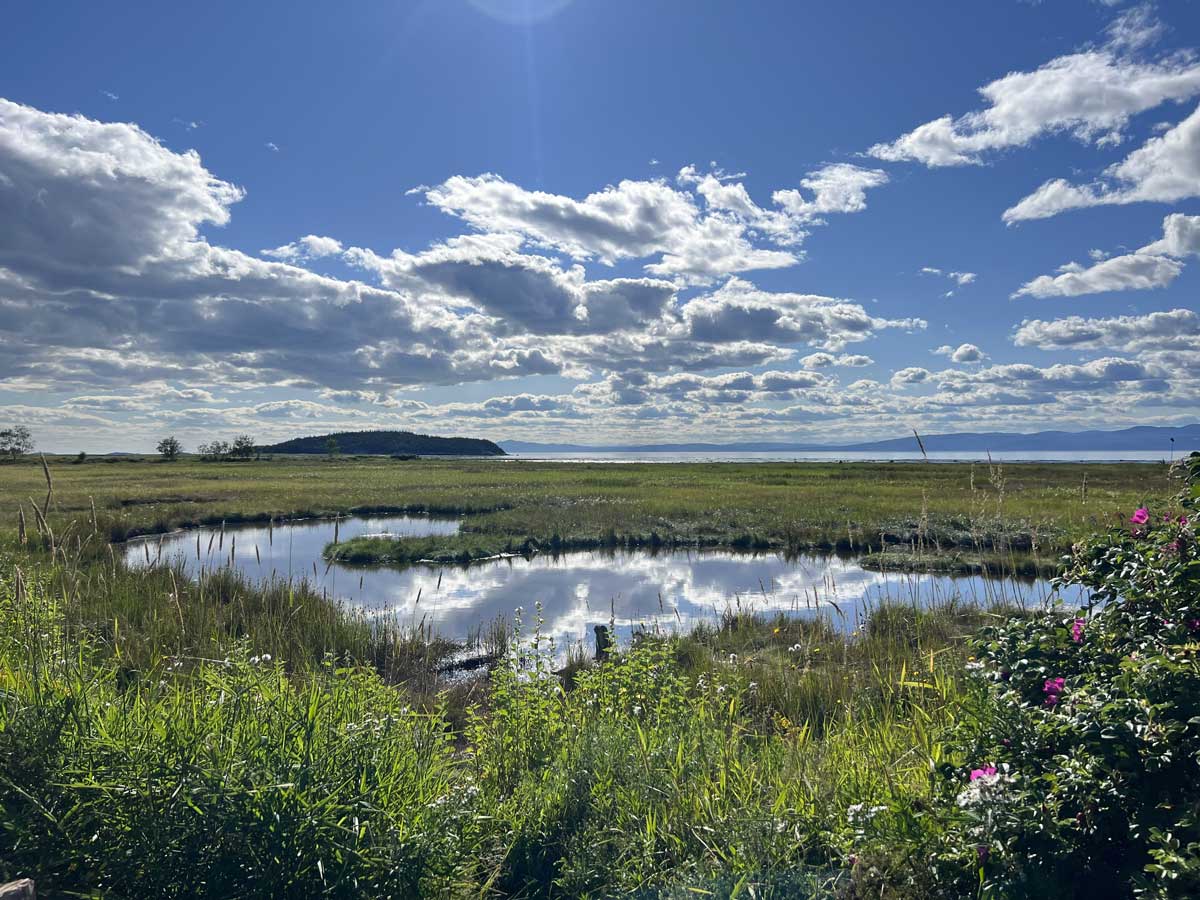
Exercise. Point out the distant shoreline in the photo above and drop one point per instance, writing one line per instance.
(834, 456)
(666, 457)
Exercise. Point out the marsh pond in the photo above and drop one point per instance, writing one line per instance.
(668, 589)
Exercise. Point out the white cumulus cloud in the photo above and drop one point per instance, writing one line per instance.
(963, 353)
(1091, 95)
(1156, 265)
(1165, 169)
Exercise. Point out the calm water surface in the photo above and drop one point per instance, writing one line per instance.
(847, 456)
(576, 590)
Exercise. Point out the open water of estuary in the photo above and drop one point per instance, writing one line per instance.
(674, 589)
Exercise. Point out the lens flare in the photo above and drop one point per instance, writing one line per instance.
(520, 12)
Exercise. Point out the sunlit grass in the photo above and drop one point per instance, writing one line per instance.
(1023, 507)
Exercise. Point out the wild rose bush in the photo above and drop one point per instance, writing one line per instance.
(1077, 771)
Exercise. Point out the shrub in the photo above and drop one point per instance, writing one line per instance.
(214, 451)
(1075, 773)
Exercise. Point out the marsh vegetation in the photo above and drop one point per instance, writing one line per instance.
(966, 508)
(167, 736)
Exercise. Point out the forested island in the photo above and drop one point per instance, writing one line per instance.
(387, 443)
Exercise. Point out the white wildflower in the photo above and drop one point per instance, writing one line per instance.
(985, 790)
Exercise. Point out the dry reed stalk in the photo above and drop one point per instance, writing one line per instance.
(43, 526)
(921, 444)
(49, 485)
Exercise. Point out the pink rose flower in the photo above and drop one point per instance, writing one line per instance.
(1052, 688)
(1140, 516)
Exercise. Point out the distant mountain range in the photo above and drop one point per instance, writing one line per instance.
(1143, 437)
(388, 443)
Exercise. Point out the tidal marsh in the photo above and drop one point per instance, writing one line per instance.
(507, 505)
(163, 736)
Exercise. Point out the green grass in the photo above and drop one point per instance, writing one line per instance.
(1026, 508)
(724, 760)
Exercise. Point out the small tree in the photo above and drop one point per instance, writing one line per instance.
(214, 452)
(243, 447)
(15, 441)
(331, 447)
(170, 448)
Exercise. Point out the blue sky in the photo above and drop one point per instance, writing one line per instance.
(597, 220)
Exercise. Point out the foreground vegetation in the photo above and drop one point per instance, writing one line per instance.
(163, 738)
(919, 513)
(728, 757)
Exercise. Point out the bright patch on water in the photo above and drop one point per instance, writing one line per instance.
(671, 590)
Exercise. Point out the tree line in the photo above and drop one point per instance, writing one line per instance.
(17, 441)
(241, 447)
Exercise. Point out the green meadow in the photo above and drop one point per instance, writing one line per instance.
(1018, 507)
